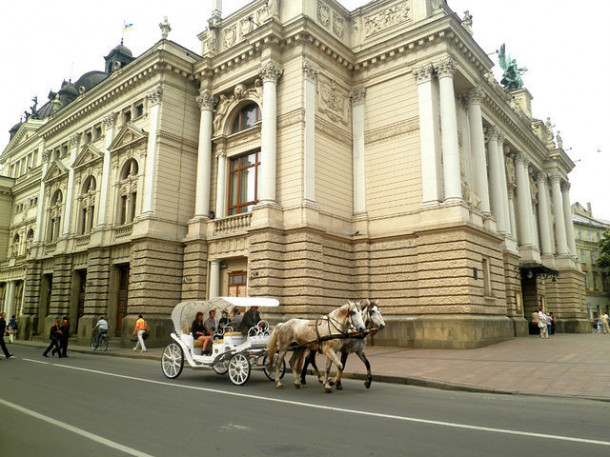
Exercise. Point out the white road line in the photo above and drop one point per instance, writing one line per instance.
(73, 429)
(351, 411)
(37, 361)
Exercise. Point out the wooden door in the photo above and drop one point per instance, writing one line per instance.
(121, 307)
(238, 284)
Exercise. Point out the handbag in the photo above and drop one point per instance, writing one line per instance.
(145, 335)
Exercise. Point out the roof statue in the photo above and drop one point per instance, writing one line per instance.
(165, 28)
(33, 114)
(511, 78)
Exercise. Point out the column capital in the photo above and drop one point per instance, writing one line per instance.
(270, 72)
(473, 96)
(45, 156)
(311, 72)
(566, 186)
(109, 120)
(523, 158)
(221, 155)
(541, 177)
(555, 177)
(424, 73)
(357, 96)
(75, 140)
(445, 67)
(155, 96)
(206, 101)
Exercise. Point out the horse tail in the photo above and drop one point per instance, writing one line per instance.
(272, 345)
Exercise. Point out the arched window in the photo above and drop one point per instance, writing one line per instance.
(87, 205)
(128, 192)
(246, 117)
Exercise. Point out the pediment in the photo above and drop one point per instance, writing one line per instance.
(56, 171)
(25, 131)
(87, 155)
(128, 135)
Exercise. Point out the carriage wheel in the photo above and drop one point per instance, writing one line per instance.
(239, 369)
(172, 360)
(271, 376)
(221, 367)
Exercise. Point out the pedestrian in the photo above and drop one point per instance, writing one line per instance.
(7, 354)
(542, 323)
(604, 318)
(12, 329)
(552, 317)
(65, 334)
(102, 328)
(140, 330)
(54, 334)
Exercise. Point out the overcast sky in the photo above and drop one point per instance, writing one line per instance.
(559, 41)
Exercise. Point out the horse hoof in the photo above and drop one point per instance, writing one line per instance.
(303, 382)
(279, 385)
(328, 389)
(367, 384)
(339, 387)
(297, 386)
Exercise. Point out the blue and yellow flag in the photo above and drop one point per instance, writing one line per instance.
(128, 26)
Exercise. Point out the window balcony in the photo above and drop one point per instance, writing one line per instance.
(232, 224)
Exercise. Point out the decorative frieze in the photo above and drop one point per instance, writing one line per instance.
(399, 128)
(386, 18)
(332, 101)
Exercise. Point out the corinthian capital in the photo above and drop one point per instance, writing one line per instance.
(155, 96)
(270, 72)
(357, 96)
(206, 101)
(423, 74)
(311, 72)
(110, 120)
(555, 177)
(474, 96)
(75, 140)
(523, 158)
(541, 177)
(445, 67)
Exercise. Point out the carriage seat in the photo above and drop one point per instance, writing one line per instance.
(191, 342)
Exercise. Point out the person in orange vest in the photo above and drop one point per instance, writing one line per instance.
(140, 331)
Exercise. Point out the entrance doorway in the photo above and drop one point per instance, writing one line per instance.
(122, 294)
(80, 300)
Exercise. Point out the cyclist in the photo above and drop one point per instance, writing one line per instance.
(102, 327)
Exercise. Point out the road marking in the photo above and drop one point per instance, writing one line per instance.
(37, 361)
(73, 429)
(350, 411)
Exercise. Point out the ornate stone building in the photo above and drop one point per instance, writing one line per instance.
(589, 232)
(312, 154)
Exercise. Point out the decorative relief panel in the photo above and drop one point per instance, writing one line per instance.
(386, 18)
(229, 36)
(323, 14)
(338, 25)
(333, 101)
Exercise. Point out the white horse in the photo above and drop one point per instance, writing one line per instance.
(374, 322)
(323, 334)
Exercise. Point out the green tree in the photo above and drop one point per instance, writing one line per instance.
(604, 247)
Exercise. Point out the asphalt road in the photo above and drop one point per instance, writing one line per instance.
(109, 406)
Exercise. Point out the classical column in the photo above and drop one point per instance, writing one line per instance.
(567, 215)
(524, 200)
(204, 156)
(41, 198)
(477, 143)
(357, 97)
(221, 186)
(10, 299)
(544, 215)
(311, 75)
(154, 100)
(502, 150)
(74, 143)
(214, 279)
(511, 214)
(428, 128)
(109, 122)
(499, 205)
(560, 226)
(449, 134)
(270, 74)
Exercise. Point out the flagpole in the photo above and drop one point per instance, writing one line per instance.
(123, 33)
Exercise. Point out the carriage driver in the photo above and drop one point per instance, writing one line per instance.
(250, 319)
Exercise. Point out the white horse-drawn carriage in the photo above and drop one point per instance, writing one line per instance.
(232, 351)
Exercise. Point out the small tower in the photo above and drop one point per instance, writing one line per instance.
(120, 54)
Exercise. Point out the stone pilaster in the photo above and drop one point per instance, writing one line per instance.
(357, 97)
(309, 178)
(154, 100)
(102, 217)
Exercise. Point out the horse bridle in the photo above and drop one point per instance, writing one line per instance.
(343, 333)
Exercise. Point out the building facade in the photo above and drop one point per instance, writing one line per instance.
(309, 153)
(589, 232)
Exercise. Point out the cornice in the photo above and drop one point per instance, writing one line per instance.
(116, 85)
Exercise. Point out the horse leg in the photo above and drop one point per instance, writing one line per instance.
(369, 376)
(295, 364)
(308, 359)
(280, 356)
(340, 372)
(331, 358)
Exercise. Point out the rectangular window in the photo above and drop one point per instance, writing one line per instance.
(126, 117)
(123, 210)
(83, 222)
(139, 110)
(90, 222)
(486, 278)
(132, 206)
(243, 178)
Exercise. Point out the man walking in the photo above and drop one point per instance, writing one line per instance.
(542, 323)
(65, 334)
(7, 354)
(604, 318)
(55, 335)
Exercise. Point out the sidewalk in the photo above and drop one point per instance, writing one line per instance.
(575, 365)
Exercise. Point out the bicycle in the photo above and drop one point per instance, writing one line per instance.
(103, 342)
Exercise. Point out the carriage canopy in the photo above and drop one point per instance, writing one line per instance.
(184, 313)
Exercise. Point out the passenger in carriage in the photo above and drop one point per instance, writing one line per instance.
(250, 319)
(235, 318)
(198, 331)
(209, 329)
